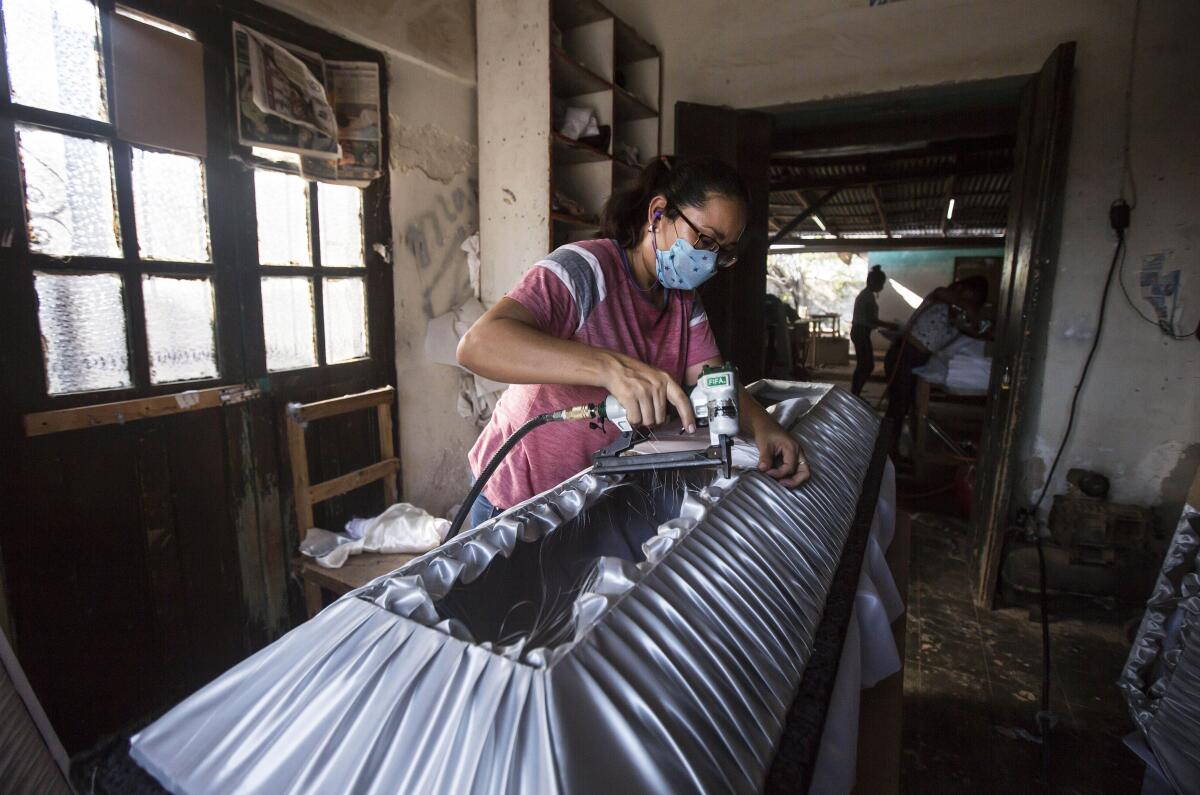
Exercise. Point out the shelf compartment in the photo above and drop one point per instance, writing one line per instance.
(569, 14)
(587, 183)
(591, 46)
(569, 78)
(567, 151)
(580, 222)
(642, 133)
(629, 45)
(628, 107)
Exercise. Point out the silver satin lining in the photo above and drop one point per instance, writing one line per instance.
(1161, 678)
(674, 671)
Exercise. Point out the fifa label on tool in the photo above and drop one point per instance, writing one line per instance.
(717, 380)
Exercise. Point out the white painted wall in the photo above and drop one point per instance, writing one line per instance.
(430, 48)
(1140, 416)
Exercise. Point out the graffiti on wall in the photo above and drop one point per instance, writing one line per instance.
(434, 238)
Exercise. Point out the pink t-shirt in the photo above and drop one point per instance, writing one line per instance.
(585, 292)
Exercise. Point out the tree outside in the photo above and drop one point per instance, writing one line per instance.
(818, 283)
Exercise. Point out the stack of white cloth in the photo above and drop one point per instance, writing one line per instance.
(961, 367)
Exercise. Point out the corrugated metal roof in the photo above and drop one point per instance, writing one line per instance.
(904, 193)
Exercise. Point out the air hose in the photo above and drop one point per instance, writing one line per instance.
(588, 412)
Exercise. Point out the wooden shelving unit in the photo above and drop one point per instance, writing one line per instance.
(537, 58)
(604, 65)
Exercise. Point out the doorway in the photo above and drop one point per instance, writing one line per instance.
(977, 167)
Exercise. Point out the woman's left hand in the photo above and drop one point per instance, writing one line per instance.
(781, 456)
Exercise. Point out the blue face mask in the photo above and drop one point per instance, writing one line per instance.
(683, 266)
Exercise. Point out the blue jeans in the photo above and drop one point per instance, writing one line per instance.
(482, 510)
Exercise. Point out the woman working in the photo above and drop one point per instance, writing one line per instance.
(615, 315)
(866, 320)
(945, 313)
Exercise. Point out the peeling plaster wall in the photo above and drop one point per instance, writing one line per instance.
(430, 47)
(434, 208)
(1140, 414)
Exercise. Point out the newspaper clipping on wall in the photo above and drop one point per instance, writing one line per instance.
(281, 103)
(353, 88)
(293, 100)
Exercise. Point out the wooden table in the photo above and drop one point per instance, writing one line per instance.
(357, 572)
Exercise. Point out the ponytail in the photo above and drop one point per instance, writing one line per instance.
(685, 182)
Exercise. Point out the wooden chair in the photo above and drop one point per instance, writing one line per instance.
(359, 569)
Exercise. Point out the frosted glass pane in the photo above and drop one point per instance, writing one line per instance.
(340, 210)
(179, 328)
(289, 324)
(54, 56)
(169, 205)
(82, 319)
(281, 202)
(68, 194)
(345, 311)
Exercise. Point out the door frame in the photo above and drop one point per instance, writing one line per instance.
(1030, 257)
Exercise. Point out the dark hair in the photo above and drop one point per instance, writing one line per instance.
(876, 276)
(974, 284)
(686, 182)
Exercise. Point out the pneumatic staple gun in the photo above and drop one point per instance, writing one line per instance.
(715, 404)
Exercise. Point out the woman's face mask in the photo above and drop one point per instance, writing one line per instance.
(682, 266)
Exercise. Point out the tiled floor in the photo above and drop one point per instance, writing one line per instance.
(973, 681)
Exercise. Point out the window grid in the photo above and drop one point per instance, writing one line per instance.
(317, 273)
(238, 341)
(127, 264)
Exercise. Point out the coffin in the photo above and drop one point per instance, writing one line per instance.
(639, 633)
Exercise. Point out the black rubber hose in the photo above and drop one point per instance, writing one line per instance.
(465, 510)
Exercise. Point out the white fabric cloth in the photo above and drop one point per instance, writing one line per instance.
(961, 367)
(869, 653)
(402, 528)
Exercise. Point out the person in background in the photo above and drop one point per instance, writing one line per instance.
(866, 320)
(945, 313)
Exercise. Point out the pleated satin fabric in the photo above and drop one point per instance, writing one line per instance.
(515, 659)
(1161, 678)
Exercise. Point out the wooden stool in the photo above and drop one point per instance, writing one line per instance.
(358, 569)
(355, 573)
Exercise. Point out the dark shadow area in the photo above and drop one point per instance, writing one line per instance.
(530, 593)
(973, 678)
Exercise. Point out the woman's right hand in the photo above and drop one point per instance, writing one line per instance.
(645, 392)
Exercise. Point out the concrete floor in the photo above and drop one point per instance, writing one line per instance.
(973, 681)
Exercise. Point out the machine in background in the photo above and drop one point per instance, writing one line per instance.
(1099, 546)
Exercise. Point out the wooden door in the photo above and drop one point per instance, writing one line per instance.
(1030, 258)
(734, 299)
(143, 557)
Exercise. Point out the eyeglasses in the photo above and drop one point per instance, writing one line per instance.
(726, 256)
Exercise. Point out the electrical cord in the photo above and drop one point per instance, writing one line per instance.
(1087, 364)
(465, 509)
(1119, 220)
